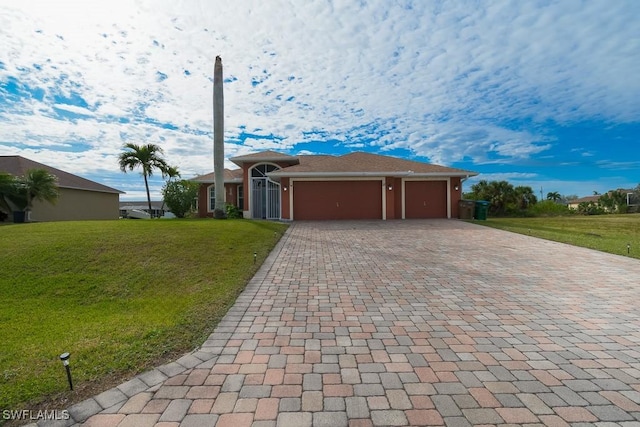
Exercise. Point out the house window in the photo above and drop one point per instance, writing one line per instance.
(241, 196)
(261, 171)
(212, 198)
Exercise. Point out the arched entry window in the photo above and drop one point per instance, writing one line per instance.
(265, 193)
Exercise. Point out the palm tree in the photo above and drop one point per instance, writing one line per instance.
(524, 196)
(148, 157)
(36, 184)
(40, 185)
(555, 196)
(501, 194)
(172, 172)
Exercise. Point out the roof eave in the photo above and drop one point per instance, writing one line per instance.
(240, 160)
(109, 191)
(399, 174)
(212, 181)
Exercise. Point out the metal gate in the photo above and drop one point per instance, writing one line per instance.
(265, 198)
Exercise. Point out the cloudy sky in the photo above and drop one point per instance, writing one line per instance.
(540, 93)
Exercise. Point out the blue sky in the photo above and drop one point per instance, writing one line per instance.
(540, 93)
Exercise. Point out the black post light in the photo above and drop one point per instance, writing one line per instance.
(65, 361)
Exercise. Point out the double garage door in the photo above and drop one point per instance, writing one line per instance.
(320, 200)
(314, 200)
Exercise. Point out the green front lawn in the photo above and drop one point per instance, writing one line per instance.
(120, 296)
(607, 233)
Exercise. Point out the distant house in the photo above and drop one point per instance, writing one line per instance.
(80, 198)
(272, 185)
(573, 204)
(158, 208)
(631, 199)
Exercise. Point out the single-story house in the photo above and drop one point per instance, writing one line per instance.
(573, 204)
(80, 198)
(359, 185)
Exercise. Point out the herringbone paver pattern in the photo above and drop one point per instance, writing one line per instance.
(408, 323)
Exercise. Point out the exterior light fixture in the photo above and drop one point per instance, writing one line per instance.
(457, 187)
(285, 188)
(390, 187)
(65, 361)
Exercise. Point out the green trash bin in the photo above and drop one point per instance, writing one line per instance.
(482, 207)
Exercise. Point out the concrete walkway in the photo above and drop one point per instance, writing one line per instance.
(407, 323)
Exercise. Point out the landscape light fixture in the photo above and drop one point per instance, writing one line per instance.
(628, 248)
(255, 256)
(65, 361)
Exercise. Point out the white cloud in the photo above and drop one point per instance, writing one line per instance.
(444, 80)
(74, 109)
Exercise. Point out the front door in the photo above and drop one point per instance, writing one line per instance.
(265, 193)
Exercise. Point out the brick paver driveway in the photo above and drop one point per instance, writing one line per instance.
(408, 323)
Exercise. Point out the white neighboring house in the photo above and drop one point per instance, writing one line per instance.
(157, 209)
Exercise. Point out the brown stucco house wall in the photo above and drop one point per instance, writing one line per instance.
(80, 198)
(206, 192)
(353, 186)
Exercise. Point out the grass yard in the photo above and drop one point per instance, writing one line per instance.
(120, 296)
(607, 233)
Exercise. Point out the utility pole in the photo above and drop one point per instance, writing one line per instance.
(218, 139)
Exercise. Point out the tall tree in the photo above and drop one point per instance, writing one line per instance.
(218, 138)
(146, 156)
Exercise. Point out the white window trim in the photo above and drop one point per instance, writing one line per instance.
(209, 197)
